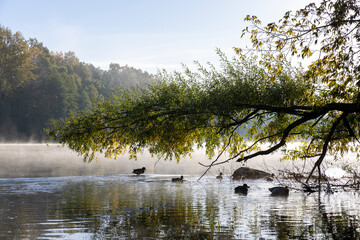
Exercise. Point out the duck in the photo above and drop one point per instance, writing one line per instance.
(270, 178)
(279, 191)
(242, 189)
(139, 171)
(180, 179)
(220, 177)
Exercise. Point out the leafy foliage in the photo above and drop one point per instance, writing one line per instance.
(183, 111)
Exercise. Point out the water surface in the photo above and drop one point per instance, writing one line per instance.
(48, 192)
(152, 207)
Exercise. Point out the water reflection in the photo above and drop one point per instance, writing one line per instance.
(152, 207)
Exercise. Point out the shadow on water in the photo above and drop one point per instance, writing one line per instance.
(127, 207)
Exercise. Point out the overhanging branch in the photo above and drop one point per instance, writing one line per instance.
(286, 133)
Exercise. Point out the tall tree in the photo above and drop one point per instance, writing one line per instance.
(261, 94)
(15, 61)
(329, 36)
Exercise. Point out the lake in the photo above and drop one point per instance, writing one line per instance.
(100, 203)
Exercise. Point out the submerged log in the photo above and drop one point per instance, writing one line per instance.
(245, 172)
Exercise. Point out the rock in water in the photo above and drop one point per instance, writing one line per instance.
(245, 172)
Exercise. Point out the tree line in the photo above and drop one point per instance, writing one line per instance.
(37, 85)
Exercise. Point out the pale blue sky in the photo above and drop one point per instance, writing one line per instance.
(149, 35)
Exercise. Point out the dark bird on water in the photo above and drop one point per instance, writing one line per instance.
(242, 189)
(279, 191)
(139, 171)
(180, 179)
(220, 177)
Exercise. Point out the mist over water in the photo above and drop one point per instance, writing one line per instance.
(54, 160)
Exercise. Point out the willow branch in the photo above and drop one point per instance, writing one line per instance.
(219, 155)
(326, 144)
(242, 121)
(351, 131)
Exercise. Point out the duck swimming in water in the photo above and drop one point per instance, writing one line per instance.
(180, 179)
(139, 171)
(279, 191)
(242, 189)
(219, 177)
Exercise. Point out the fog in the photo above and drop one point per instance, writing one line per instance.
(52, 160)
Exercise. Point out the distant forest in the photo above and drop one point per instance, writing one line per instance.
(57, 85)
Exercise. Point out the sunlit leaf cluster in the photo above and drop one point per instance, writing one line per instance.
(326, 34)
